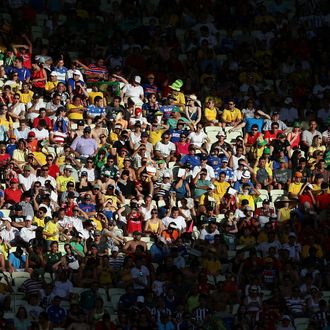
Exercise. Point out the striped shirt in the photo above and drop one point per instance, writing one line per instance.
(94, 69)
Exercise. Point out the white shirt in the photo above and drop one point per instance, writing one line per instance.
(179, 221)
(142, 274)
(205, 235)
(90, 173)
(28, 233)
(165, 149)
(9, 235)
(134, 93)
(41, 135)
(33, 115)
(26, 181)
(42, 180)
(197, 139)
(210, 172)
(18, 109)
(289, 113)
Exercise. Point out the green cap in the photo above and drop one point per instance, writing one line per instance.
(296, 124)
(176, 109)
(161, 161)
(267, 151)
(262, 143)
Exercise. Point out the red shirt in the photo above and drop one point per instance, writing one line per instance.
(324, 201)
(53, 170)
(305, 198)
(12, 196)
(182, 149)
(270, 135)
(48, 122)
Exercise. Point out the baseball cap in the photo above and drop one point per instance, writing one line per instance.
(224, 160)
(6, 219)
(83, 173)
(166, 175)
(97, 233)
(68, 167)
(96, 186)
(281, 135)
(296, 124)
(87, 129)
(53, 73)
(298, 175)
(267, 151)
(14, 180)
(31, 134)
(77, 72)
(221, 134)
(262, 143)
(211, 186)
(115, 249)
(137, 79)
(136, 233)
(106, 173)
(27, 168)
(28, 218)
(292, 234)
(203, 157)
(144, 134)
(12, 136)
(140, 299)
(80, 123)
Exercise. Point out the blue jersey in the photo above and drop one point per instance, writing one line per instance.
(190, 160)
(215, 163)
(175, 134)
(94, 111)
(253, 121)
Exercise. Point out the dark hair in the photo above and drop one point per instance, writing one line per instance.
(97, 98)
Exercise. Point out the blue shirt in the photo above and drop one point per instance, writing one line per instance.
(56, 314)
(167, 110)
(215, 163)
(253, 121)
(23, 73)
(175, 134)
(16, 262)
(87, 207)
(238, 185)
(94, 111)
(10, 149)
(190, 160)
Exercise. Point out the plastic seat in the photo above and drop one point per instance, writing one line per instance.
(276, 193)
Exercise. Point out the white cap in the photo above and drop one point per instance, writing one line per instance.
(77, 72)
(6, 219)
(68, 167)
(310, 186)
(137, 79)
(53, 73)
(115, 249)
(166, 175)
(211, 186)
(28, 218)
(140, 299)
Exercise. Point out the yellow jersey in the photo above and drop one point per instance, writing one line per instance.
(232, 116)
(51, 228)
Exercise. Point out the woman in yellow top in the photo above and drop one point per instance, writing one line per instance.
(76, 109)
(316, 145)
(211, 113)
(284, 207)
(5, 119)
(154, 226)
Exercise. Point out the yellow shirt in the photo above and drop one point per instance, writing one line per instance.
(249, 198)
(214, 196)
(97, 223)
(19, 155)
(51, 228)
(284, 214)
(39, 222)
(210, 114)
(232, 116)
(179, 99)
(40, 157)
(155, 136)
(26, 97)
(62, 182)
(294, 188)
(250, 240)
(92, 95)
(50, 85)
(113, 137)
(221, 188)
(75, 115)
(7, 123)
(305, 251)
(212, 266)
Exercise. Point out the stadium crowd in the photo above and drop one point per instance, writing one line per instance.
(164, 165)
